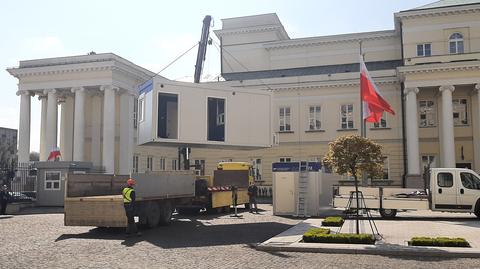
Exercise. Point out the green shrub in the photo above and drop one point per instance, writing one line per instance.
(439, 242)
(333, 221)
(318, 237)
(314, 232)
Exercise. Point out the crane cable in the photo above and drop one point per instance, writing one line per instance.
(244, 67)
(168, 65)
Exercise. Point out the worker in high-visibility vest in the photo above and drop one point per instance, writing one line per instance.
(129, 204)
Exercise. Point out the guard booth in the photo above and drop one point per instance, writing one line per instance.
(297, 188)
(51, 180)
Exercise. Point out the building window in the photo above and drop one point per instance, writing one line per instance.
(257, 169)
(135, 163)
(285, 119)
(386, 168)
(285, 159)
(200, 167)
(162, 164)
(149, 163)
(427, 113)
(424, 49)
(428, 161)
(174, 164)
(347, 116)
(52, 180)
(314, 121)
(141, 109)
(460, 115)
(456, 43)
(382, 123)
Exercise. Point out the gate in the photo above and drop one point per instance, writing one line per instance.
(21, 180)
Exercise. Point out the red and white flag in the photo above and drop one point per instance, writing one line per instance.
(372, 101)
(54, 154)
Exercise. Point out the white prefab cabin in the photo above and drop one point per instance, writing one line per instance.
(207, 115)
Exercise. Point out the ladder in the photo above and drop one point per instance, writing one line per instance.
(302, 190)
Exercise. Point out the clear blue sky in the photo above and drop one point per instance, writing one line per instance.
(153, 33)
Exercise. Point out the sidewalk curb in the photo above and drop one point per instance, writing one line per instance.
(373, 250)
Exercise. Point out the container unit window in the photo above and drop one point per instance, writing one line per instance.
(167, 116)
(216, 119)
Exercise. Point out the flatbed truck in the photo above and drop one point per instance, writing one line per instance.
(96, 200)
(446, 190)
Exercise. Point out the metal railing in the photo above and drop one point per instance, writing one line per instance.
(21, 179)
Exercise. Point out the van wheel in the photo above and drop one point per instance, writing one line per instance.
(388, 213)
(477, 209)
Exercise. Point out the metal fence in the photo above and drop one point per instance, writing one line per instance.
(21, 179)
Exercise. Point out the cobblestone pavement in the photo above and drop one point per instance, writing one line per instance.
(201, 241)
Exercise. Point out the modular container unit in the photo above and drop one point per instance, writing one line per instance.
(207, 114)
(286, 188)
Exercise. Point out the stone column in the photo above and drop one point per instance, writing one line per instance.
(63, 121)
(96, 129)
(108, 154)
(79, 124)
(413, 155)
(51, 130)
(43, 128)
(448, 138)
(476, 131)
(126, 133)
(24, 128)
(68, 131)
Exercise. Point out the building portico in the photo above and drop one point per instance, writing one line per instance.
(85, 88)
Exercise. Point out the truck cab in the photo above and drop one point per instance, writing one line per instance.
(455, 190)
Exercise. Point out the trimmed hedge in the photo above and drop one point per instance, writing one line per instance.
(439, 242)
(333, 221)
(319, 235)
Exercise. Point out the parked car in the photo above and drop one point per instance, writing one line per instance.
(19, 197)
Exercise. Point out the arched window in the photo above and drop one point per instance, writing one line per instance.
(456, 43)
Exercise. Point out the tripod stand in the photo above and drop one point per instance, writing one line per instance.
(353, 212)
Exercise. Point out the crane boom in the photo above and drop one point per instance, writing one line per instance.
(202, 48)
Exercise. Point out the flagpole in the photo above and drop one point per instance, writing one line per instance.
(363, 129)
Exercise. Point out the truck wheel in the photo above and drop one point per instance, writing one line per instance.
(166, 210)
(153, 214)
(388, 213)
(226, 209)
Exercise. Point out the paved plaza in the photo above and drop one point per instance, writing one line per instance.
(395, 234)
(38, 239)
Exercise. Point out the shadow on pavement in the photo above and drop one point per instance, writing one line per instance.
(422, 258)
(190, 233)
(41, 210)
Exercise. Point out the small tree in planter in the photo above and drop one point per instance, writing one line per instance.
(354, 155)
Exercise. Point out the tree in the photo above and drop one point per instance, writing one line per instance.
(34, 156)
(352, 155)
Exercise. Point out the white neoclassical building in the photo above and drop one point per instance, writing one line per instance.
(96, 95)
(427, 68)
